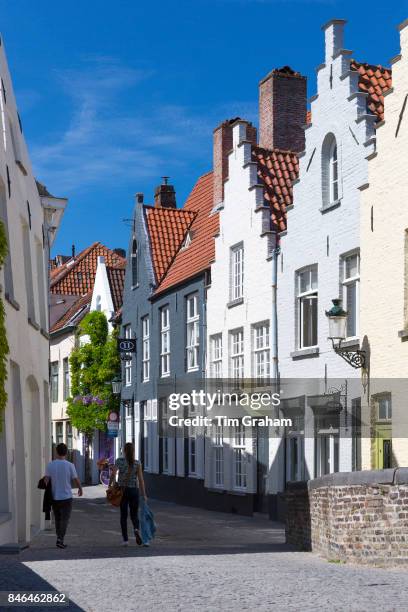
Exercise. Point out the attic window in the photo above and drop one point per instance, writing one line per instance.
(187, 240)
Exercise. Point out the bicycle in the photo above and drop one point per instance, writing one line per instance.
(105, 467)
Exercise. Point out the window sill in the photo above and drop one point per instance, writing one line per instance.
(192, 369)
(165, 375)
(135, 286)
(240, 492)
(12, 301)
(312, 351)
(215, 489)
(330, 206)
(236, 302)
(403, 334)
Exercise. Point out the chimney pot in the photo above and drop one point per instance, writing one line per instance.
(139, 198)
(73, 251)
(165, 195)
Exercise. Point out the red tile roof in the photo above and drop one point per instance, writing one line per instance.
(77, 276)
(276, 171)
(375, 81)
(167, 228)
(197, 257)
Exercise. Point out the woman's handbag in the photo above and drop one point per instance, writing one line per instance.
(114, 492)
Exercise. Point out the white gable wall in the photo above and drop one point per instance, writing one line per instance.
(322, 238)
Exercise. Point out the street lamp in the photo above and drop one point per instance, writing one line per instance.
(116, 385)
(338, 333)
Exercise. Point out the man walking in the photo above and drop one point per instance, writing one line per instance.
(61, 473)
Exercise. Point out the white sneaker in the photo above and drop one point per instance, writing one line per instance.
(125, 543)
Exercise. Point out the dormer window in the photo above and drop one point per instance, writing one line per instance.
(330, 171)
(187, 240)
(134, 262)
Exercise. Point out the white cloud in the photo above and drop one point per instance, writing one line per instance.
(103, 143)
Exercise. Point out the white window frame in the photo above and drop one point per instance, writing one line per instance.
(54, 381)
(237, 272)
(330, 436)
(59, 432)
(216, 356)
(145, 348)
(128, 362)
(236, 337)
(240, 460)
(165, 341)
(388, 399)
(333, 174)
(66, 379)
(261, 352)
(218, 449)
(192, 455)
(165, 438)
(347, 283)
(192, 332)
(146, 440)
(301, 296)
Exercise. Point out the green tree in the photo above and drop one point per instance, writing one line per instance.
(94, 363)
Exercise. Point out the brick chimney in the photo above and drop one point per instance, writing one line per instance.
(165, 195)
(222, 146)
(282, 110)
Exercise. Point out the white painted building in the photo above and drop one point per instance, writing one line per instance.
(319, 261)
(96, 274)
(31, 217)
(253, 189)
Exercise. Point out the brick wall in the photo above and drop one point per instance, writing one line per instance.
(357, 516)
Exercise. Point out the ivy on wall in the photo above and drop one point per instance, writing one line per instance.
(4, 347)
(94, 364)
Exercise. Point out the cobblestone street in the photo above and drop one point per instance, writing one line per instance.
(199, 561)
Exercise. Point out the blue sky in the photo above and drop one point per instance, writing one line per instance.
(115, 94)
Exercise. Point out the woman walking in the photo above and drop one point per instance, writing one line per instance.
(129, 477)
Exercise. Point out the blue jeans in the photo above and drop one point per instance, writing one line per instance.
(130, 499)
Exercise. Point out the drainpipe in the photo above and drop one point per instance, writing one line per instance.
(274, 328)
(274, 347)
